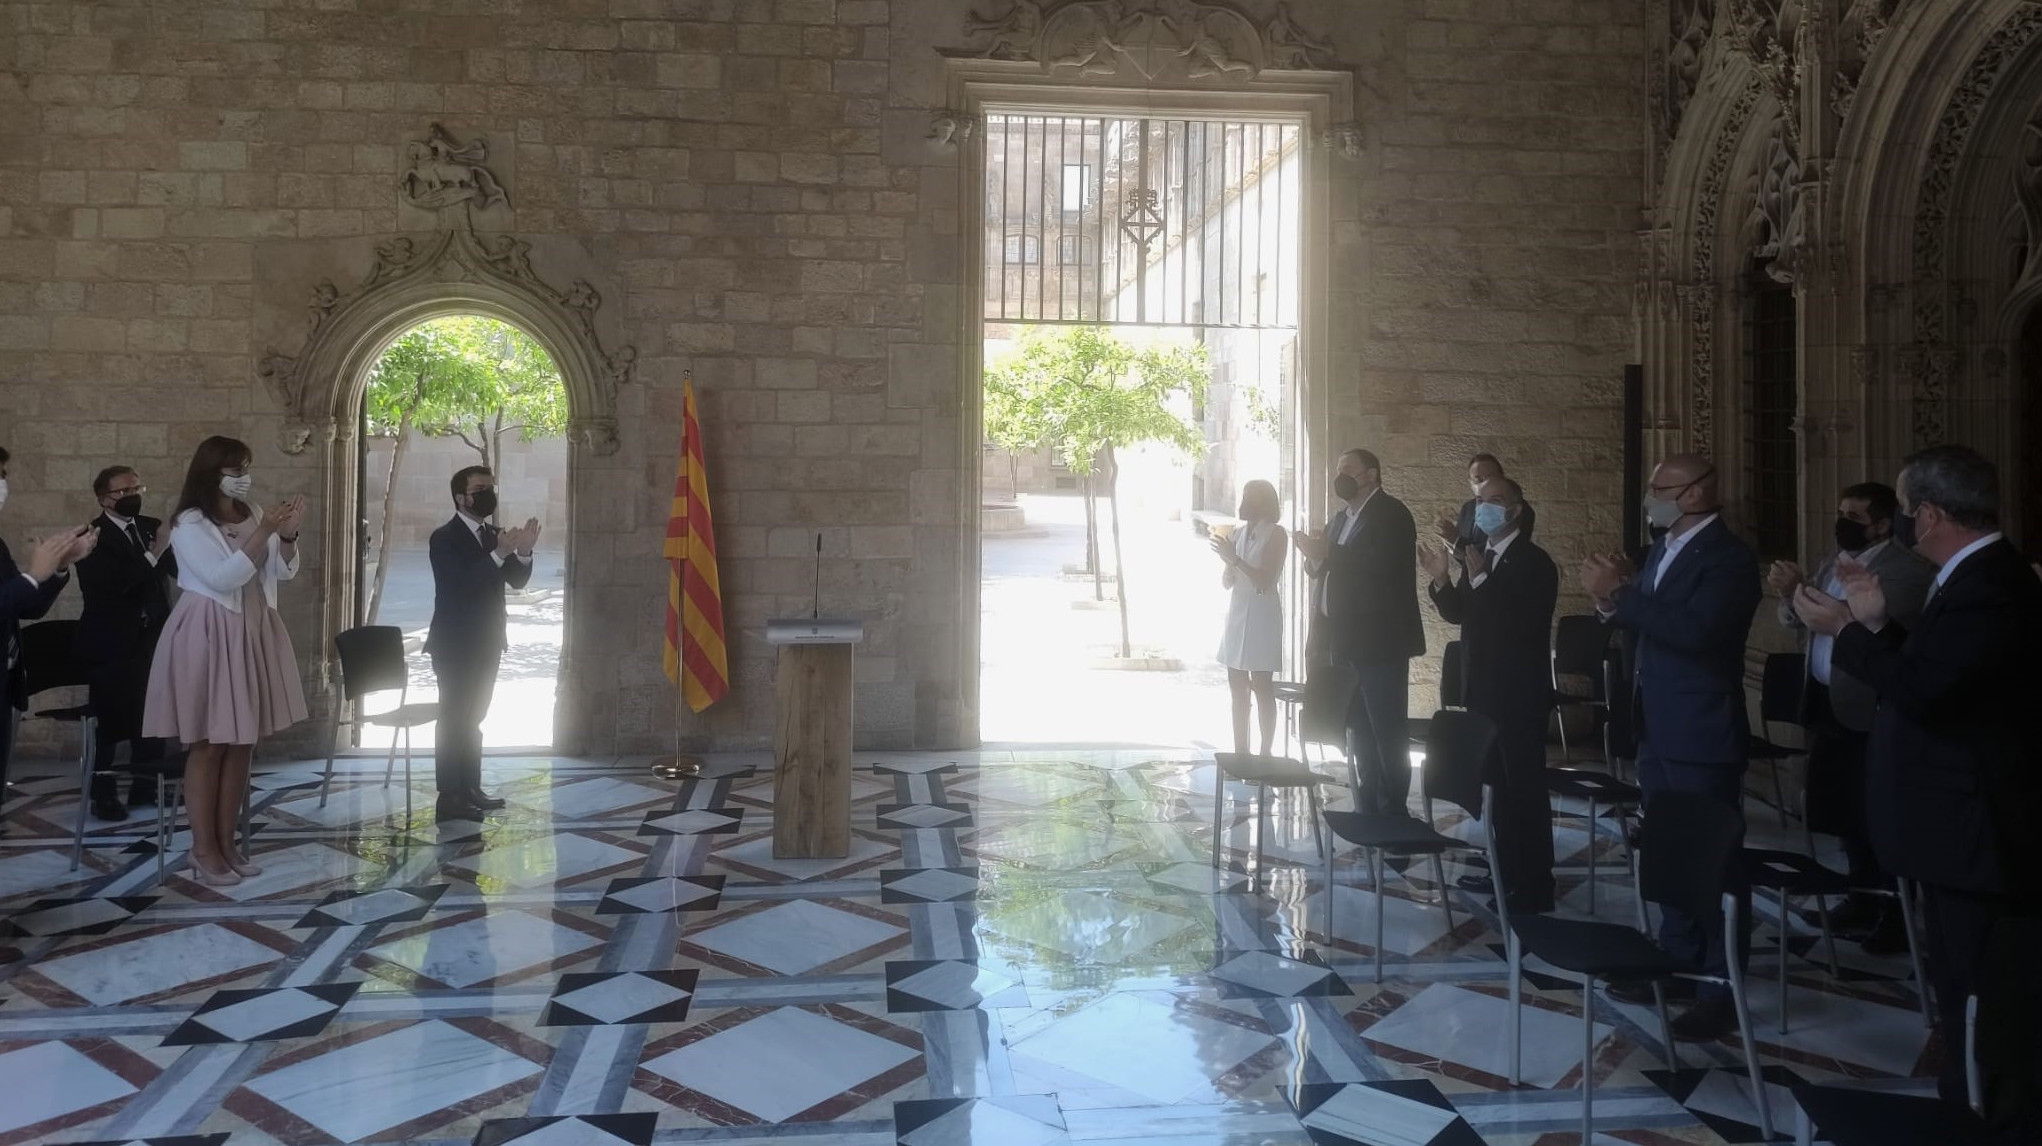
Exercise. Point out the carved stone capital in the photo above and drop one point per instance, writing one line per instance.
(951, 128)
(1343, 140)
(597, 435)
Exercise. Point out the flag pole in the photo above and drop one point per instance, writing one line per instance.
(680, 766)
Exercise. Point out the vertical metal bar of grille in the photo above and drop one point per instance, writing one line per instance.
(1027, 142)
(1006, 165)
(1141, 254)
(1063, 166)
(1106, 235)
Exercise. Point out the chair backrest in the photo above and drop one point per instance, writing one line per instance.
(1460, 750)
(48, 659)
(1687, 845)
(1322, 717)
(2006, 1052)
(1578, 647)
(1782, 686)
(371, 660)
(1453, 689)
(1619, 739)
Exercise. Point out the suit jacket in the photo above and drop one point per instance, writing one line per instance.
(126, 598)
(1906, 578)
(1952, 786)
(468, 584)
(1370, 587)
(19, 601)
(1688, 680)
(1506, 633)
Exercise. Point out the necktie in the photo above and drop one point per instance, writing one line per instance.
(135, 535)
(488, 534)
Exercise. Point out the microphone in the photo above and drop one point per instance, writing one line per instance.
(815, 606)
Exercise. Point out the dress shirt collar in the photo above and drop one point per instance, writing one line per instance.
(1950, 566)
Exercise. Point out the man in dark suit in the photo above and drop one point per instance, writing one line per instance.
(1690, 608)
(1838, 707)
(126, 583)
(1458, 529)
(1366, 602)
(1952, 788)
(1504, 605)
(473, 562)
(25, 595)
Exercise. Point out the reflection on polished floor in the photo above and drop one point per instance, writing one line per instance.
(1020, 949)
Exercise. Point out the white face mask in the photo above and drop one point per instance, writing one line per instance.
(3, 492)
(236, 487)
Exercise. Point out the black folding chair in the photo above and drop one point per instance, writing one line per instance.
(48, 663)
(1457, 753)
(1322, 710)
(372, 661)
(1452, 690)
(1580, 645)
(1601, 789)
(1782, 686)
(1263, 773)
(1690, 844)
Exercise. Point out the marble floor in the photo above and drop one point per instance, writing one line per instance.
(1021, 948)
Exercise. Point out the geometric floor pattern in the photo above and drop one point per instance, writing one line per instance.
(1020, 948)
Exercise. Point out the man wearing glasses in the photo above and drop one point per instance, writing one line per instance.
(126, 582)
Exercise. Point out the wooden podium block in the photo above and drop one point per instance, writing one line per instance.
(812, 752)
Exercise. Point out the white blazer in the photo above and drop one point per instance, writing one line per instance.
(212, 568)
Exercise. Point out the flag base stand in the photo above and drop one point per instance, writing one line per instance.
(677, 767)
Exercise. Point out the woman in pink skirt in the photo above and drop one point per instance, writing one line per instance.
(224, 674)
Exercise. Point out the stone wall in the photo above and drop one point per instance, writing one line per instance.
(749, 187)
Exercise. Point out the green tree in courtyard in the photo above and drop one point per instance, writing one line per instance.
(1086, 395)
(468, 377)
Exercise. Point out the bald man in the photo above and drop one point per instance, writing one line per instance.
(1691, 608)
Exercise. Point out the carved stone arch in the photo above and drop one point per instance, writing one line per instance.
(319, 389)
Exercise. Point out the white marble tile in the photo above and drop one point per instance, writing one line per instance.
(758, 853)
(961, 985)
(1034, 789)
(360, 1090)
(795, 936)
(270, 1011)
(549, 859)
(155, 963)
(373, 907)
(595, 798)
(1727, 1094)
(1410, 927)
(1145, 1046)
(295, 868)
(1018, 1120)
(48, 1080)
(1379, 1118)
(25, 872)
(494, 946)
(1088, 927)
(813, 1059)
(935, 884)
(1468, 1028)
(665, 893)
(1888, 1039)
(70, 917)
(616, 999)
(1055, 844)
(361, 801)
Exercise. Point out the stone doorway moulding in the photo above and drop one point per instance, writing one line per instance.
(413, 279)
(1159, 58)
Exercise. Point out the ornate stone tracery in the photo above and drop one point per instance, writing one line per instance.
(1157, 39)
(1777, 219)
(1701, 294)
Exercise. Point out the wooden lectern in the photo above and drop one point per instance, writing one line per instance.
(812, 741)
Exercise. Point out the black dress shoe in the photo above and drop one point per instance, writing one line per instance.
(1887, 937)
(1640, 994)
(447, 810)
(110, 810)
(142, 792)
(1479, 884)
(484, 800)
(1706, 1021)
(1859, 914)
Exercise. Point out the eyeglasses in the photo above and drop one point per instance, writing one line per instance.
(126, 491)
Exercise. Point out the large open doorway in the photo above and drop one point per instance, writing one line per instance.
(1161, 247)
(453, 392)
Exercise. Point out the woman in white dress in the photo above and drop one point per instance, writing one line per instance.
(1252, 646)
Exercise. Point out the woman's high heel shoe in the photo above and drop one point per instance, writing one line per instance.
(243, 868)
(225, 878)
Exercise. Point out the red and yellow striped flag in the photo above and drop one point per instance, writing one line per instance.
(695, 655)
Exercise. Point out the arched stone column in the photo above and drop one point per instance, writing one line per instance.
(413, 279)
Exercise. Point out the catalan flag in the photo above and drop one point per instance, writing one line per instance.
(695, 655)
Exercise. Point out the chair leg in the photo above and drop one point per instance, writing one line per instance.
(1783, 961)
(1779, 794)
(1375, 860)
(390, 762)
(1758, 1092)
(1566, 750)
(407, 781)
(1219, 800)
(1828, 936)
(1330, 933)
(1317, 810)
(1592, 824)
(1587, 1059)
(1261, 836)
(332, 749)
(1665, 1025)
(1921, 979)
(85, 766)
(1512, 952)
(1446, 901)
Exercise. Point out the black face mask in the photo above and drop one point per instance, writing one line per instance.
(1903, 529)
(1345, 486)
(482, 502)
(1851, 535)
(129, 506)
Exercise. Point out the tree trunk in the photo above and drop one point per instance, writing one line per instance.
(1119, 566)
(1092, 563)
(496, 444)
(397, 448)
(1014, 476)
